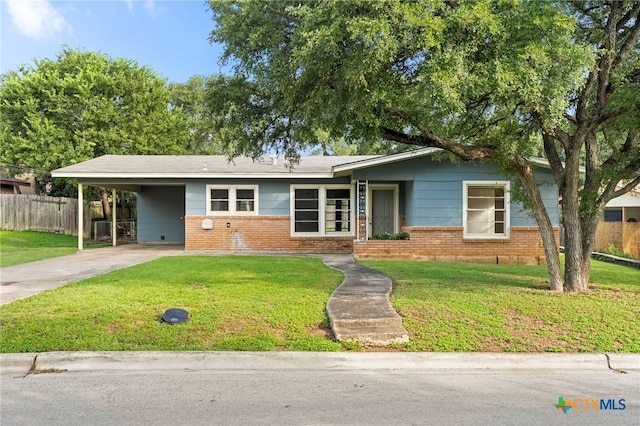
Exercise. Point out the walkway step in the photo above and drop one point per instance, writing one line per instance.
(372, 336)
(369, 322)
(359, 309)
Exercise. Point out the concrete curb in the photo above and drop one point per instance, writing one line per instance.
(21, 364)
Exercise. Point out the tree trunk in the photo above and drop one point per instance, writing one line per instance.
(552, 254)
(589, 228)
(527, 178)
(106, 206)
(575, 279)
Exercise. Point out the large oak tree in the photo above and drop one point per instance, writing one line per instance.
(483, 79)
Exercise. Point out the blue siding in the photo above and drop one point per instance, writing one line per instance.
(430, 191)
(196, 198)
(434, 189)
(161, 212)
(273, 195)
(274, 198)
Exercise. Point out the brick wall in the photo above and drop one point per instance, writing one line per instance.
(446, 244)
(271, 234)
(256, 234)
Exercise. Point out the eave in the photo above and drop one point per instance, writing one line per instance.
(89, 175)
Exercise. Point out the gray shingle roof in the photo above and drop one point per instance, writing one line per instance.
(199, 166)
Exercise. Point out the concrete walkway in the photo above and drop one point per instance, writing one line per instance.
(359, 309)
(27, 279)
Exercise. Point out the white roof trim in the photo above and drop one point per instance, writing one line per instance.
(229, 175)
(537, 161)
(625, 200)
(384, 160)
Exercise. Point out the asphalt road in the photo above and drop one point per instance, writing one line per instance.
(319, 397)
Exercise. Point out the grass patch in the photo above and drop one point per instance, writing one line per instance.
(278, 303)
(28, 246)
(234, 303)
(498, 308)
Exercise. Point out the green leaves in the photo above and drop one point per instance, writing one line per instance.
(459, 70)
(83, 105)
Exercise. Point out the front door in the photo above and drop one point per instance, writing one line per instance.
(382, 211)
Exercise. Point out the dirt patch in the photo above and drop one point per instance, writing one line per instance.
(196, 285)
(381, 349)
(529, 334)
(321, 330)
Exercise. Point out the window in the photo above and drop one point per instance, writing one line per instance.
(486, 209)
(613, 215)
(306, 210)
(321, 210)
(219, 200)
(232, 200)
(337, 211)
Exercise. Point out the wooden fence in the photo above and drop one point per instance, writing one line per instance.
(624, 235)
(42, 213)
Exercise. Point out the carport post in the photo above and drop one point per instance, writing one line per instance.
(80, 217)
(114, 217)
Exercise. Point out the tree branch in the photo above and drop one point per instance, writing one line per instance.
(626, 188)
(557, 168)
(429, 139)
(631, 38)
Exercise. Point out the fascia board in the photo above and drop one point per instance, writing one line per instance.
(383, 160)
(90, 175)
(340, 169)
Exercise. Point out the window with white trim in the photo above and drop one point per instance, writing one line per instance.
(232, 199)
(321, 209)
(486, 209)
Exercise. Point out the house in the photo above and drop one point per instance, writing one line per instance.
(457, 212)
(11, 185)
(620, 225)
(625, 208)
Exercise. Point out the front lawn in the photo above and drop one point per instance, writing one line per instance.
(278, 303)
(498, 308)
(235, 303)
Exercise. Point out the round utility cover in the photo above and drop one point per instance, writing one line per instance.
(175, 316)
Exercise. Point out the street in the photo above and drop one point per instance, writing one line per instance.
(320, 397)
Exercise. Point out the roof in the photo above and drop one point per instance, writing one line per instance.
(10, 181)
(218, 166)
(630, 199)
(201, 166)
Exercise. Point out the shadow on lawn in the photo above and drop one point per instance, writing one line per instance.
(472, 278)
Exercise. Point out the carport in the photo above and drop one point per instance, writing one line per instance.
(160, 201)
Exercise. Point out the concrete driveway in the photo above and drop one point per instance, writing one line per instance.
(27, 279)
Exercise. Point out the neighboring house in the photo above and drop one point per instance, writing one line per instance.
(623, 209)
(620, 225)
(11, 185)
(328, 204)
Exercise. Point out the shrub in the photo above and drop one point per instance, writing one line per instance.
(388, 236)
(614, 251)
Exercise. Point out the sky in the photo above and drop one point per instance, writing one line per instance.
(169, 36)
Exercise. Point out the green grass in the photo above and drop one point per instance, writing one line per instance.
(235, 303)
(28, 246)
(497, 308)
(278, 303)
